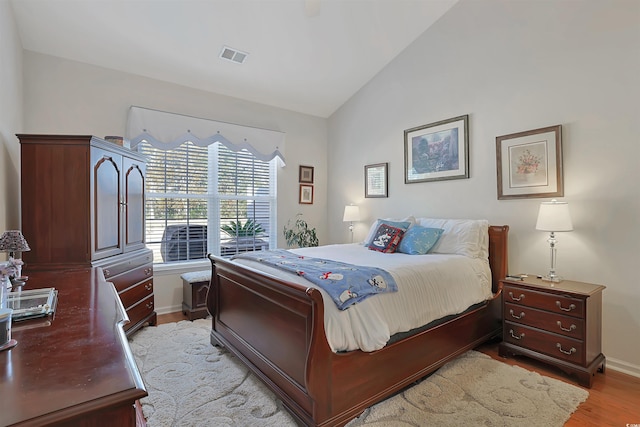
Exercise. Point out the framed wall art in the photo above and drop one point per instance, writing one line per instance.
(376, 180)
(529, 164)
(306, 194)
(437, 151)
(306, 174)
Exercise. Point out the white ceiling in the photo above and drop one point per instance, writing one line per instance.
(308, 56)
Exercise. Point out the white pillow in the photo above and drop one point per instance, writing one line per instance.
(374, 227)
(468, 237)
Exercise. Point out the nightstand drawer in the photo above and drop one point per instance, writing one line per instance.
(554, 345)
(552, 322)
(562, 304)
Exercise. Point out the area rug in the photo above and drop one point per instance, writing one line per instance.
(191, 383)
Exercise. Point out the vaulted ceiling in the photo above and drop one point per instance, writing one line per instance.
(308, 56)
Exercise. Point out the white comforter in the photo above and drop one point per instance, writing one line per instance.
(429, 287)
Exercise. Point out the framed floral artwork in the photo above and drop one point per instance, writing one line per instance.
(437, 151)
(529, 164)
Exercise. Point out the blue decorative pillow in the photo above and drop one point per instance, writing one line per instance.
(419, 240)
(386, 239)
(403, 225)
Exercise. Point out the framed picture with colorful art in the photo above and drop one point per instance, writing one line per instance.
(437, 151)
(529, 164)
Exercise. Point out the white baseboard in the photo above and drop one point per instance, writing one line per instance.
(624, 367)
(169, 309)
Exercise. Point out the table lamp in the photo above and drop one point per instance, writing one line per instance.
(553, 216)
(13, 241)
(351, 214)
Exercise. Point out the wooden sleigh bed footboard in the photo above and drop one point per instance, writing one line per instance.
(277, 329)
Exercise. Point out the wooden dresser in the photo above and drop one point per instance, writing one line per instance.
(83, 205)
(75, 368)
(557, 323)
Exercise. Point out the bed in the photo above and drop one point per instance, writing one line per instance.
(276, 326)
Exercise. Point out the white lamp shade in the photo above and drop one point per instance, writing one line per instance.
(554, 216)
(351, 213)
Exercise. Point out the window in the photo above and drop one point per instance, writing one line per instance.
(209, 199)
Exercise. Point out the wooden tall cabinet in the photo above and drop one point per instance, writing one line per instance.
(83, 205)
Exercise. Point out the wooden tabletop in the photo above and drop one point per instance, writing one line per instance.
(77, 362)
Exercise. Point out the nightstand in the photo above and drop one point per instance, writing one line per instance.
(556, 323)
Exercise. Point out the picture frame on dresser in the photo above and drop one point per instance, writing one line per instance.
(529, 164)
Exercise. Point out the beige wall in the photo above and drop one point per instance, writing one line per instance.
(10, 118)
(517, 66)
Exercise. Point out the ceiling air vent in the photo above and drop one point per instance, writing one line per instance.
(233, 55)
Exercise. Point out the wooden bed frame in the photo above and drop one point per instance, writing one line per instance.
(277, 329)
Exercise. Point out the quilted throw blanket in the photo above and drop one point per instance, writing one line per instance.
(347, 284)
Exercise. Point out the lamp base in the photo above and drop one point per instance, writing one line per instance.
(550, 278)
(9, 344)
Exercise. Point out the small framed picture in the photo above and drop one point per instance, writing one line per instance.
(306, 174)
(437, 151)
(529, 164)
(306, 194)
(376, 181)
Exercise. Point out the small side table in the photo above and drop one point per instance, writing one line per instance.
(195, 286)
(559, 323)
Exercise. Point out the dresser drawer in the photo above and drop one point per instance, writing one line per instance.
(562, 304)
(140, 311)
(136, 293)
(552, 322)
(119, 267)
(129, 278)
(553, 345)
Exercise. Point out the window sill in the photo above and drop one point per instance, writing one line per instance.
(180, 267)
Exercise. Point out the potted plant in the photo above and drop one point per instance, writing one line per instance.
(299, 234)
(243, 232)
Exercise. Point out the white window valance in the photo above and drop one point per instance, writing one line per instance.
(166, 131)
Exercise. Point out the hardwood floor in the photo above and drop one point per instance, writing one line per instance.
(613, 399)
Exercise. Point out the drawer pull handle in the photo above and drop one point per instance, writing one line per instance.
(149, 305)
(570, 352)
(571, 307)
(147, 271)
(516, 299)
(517, 317)
(107, 272)
(516, 336)
(149, 286)
(569, 329)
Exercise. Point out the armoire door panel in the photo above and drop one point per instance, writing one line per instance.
(106, 203)
(134, 204)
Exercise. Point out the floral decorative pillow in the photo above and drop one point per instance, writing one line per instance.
(419, 240)
(386, 238)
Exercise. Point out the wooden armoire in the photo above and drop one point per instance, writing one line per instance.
(83, 205)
